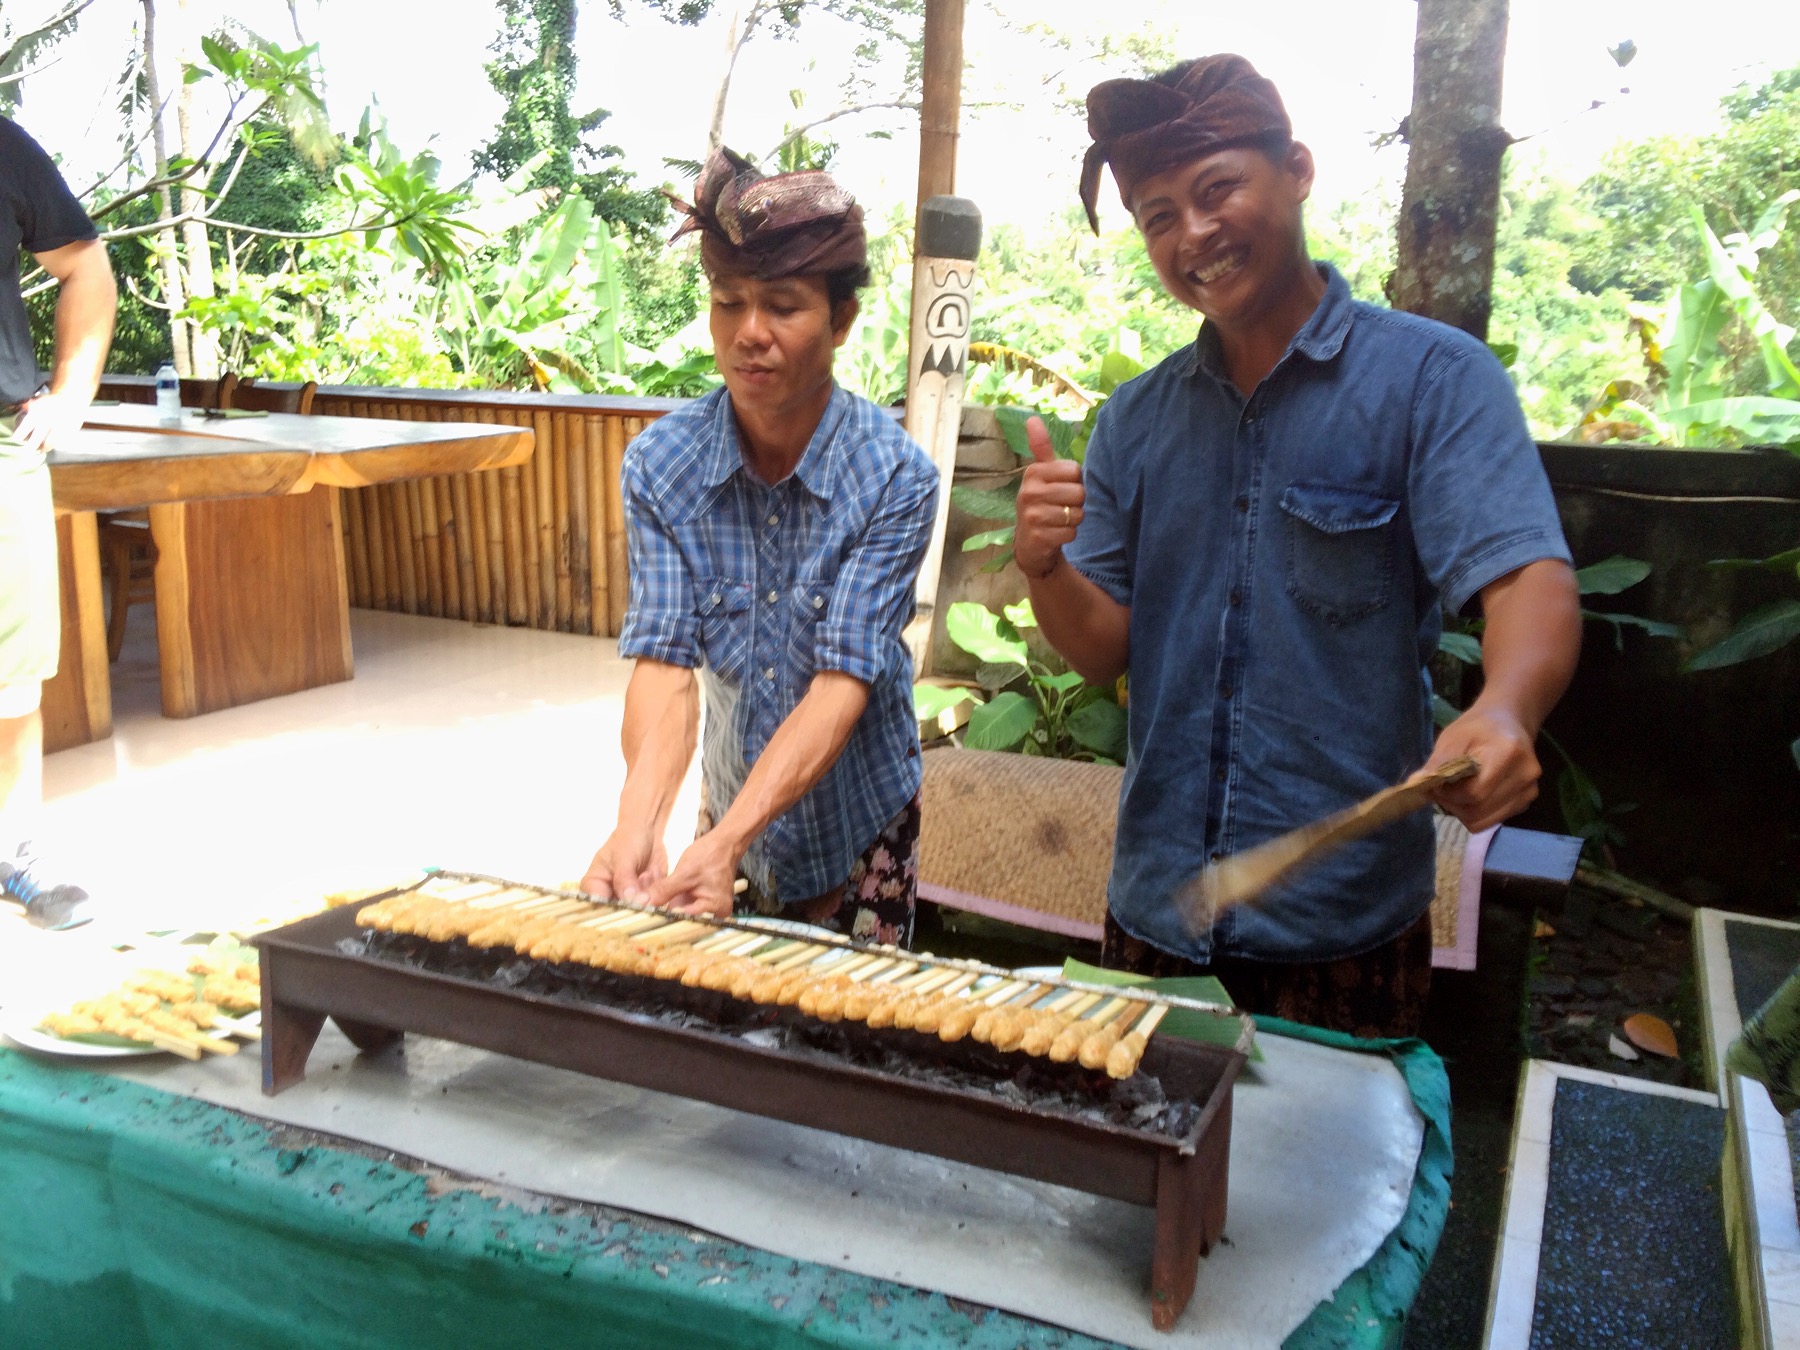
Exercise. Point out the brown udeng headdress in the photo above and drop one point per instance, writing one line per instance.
(1142, 127)
(791, 224)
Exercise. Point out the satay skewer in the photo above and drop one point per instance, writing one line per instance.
(925, 1015)
(860, 1000)
(1097, 1045)
(1068, 1041)
(1122, 1060)
(907, 997)
(1043, 1032)
(1001, 1012)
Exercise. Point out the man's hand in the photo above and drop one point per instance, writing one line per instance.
(703, 881)
(627, 865)
(50, 420)
(1507, 780)
(1049, 506)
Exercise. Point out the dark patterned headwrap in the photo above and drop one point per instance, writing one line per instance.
(1142, 127)
(793, 224)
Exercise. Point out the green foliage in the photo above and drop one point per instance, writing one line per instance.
(533, 70)
(1056, 713)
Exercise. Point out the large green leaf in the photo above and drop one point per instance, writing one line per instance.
(976, 629)
(1780, 562)
(1617, 573)
(1462, 646)
(1099, 726)
(932, 700)
(1732, 271)
(1697, 315)
(1758, 633)
(1064, 434)
(1116, 368)
(1771, 421)
(1620, 622)
(1443, 711)
(1001, 724)
(1001, 503)
(1069, 679)
(988, 539)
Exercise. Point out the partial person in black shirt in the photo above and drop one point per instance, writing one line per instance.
(39, 214)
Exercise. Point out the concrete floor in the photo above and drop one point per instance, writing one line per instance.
(491, 749)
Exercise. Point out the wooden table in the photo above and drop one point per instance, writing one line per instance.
(251, 597)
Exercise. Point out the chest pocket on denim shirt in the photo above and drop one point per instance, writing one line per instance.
(724, 624)
(1340, 550)
(809, 600)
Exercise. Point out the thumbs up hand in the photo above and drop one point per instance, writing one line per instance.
(1049, 508)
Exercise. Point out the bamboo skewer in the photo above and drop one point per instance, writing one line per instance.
(1122, 1060)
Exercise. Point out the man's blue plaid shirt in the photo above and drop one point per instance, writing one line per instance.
(762, 587)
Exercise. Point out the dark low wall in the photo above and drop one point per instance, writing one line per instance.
(1705, 755)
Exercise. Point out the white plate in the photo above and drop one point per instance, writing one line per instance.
(794, 926)
(22, 1032)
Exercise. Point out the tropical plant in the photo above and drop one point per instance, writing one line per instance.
(1022, 704)
(1068, 438)
(1685, 399)
(1585, 814)
(1763, 631)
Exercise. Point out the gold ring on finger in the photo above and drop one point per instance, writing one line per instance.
(1068, 516)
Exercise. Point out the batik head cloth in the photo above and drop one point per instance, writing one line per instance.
(1143, 127)
(788, 225)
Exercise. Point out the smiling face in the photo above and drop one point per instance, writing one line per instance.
(1224, 232)
(774, 340)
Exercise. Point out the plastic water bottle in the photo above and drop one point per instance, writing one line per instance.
(168, 394)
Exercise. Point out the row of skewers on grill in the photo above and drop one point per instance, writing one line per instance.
(831, 981)
(172, 1012)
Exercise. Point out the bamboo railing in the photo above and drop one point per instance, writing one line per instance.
(541, 545)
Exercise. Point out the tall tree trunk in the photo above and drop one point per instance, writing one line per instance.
(740, 22)
(205, 348)
(1451, 201)
(167, 246)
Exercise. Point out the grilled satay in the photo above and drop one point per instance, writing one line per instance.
(960, 1022)
(907, 994)
(829, 1002)
(837, 978)
(1122, 1059)
(1092, 1052)
(519, 928)
(1043, 1032)
(885, 987)
(1002, 1011)
(454, 921)
(766, 987)
(1068, 1041)
(913, 1013)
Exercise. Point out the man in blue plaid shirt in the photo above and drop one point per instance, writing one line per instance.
(776, 527)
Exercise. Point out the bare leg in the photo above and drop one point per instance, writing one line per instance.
(21, 778)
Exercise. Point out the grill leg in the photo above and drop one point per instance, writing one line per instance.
(366, 1036)
(288, 1035)
(1190, 1218)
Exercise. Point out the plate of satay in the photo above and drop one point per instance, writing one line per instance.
(208, 1006)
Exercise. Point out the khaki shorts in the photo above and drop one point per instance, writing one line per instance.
(30, 603)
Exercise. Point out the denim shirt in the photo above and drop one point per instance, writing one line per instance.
(763, 586)
(1285, 558)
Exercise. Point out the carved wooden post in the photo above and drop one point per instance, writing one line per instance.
(948, 239)
(1449, 206)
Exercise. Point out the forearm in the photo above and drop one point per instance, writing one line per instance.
(1088, 628)
(661, 728)
(798, 755)
(1530, 642)
(85, 305)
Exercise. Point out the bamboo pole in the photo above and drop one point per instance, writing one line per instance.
(381, 589)
(405, 535)
(490, 580)
(558, 525)
(599, 569)
(543, 484)
(447, 532)
(466, 521)
(432, 544)
(581, 595)
(528, 526)
(616, 437)
(499, 576)
(356, 547)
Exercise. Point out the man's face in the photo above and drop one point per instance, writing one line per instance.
(1224, 232)
(774, 340)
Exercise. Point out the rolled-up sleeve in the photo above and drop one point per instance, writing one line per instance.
(873, 598)
(1480, 501)
(1099, 552)
(661, 623)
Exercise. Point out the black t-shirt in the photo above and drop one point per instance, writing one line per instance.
(40, 214)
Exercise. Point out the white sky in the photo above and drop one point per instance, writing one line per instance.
(1343, 68)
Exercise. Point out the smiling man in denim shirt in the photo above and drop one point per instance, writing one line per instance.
(1264, 532)
(775, 529)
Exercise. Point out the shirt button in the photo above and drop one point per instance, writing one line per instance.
(818, 602)
(1236, 598)
(774, 520)
(1242, 503)
(769, 674)
(716, 597)
(774, 596)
